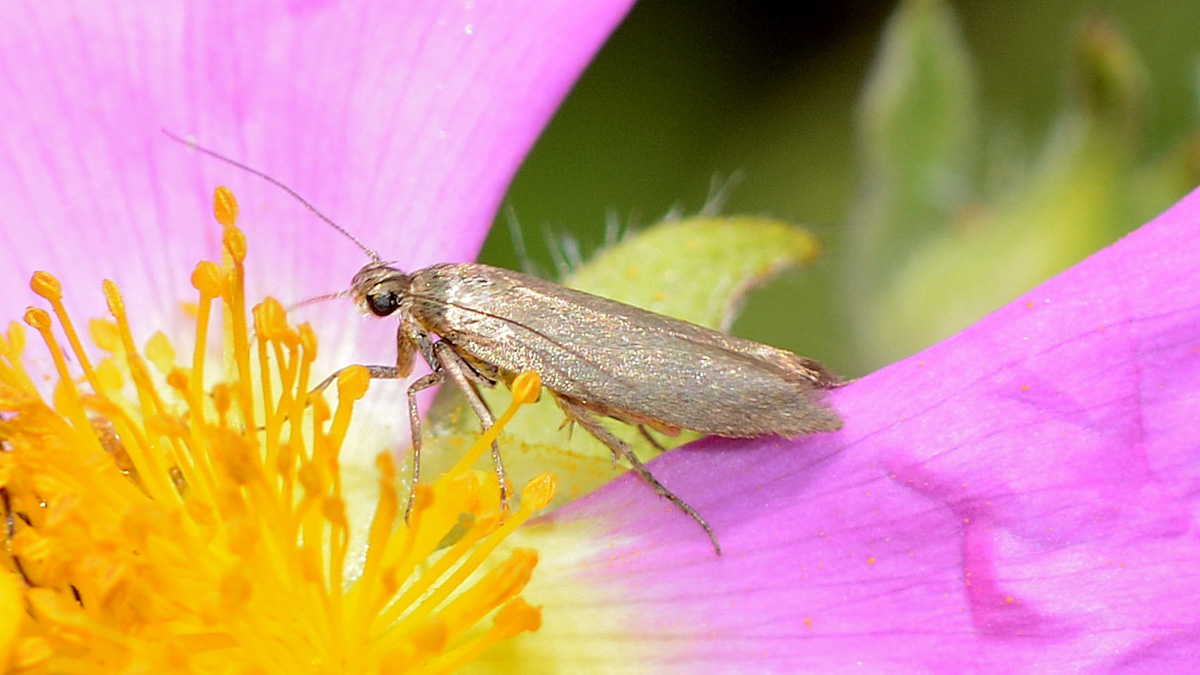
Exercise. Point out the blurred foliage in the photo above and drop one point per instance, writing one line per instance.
(949, 155)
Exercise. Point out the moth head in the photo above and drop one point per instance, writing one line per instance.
(380, 288)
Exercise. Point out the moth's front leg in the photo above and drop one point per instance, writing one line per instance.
(432, 379)
(374, 372)
(410, 341)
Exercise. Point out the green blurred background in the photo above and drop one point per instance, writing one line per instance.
(686, 92)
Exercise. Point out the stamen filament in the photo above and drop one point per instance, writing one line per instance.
(49, 288)
(525, 389)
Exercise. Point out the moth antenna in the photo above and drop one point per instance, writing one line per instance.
(320, 298)
(295, 195)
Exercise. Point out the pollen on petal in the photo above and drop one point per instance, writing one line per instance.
(201, 526)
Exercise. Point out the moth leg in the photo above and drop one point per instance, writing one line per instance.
(375, 372)
(432, 379)
(591, 424)
(646, 435)
(466, 378)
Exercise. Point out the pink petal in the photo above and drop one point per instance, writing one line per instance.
(402, 121)
(1018, 498)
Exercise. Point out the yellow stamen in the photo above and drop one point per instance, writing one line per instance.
(525, 389)
(225, 206)
(203, 527)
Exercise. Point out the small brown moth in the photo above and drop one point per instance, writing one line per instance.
(480, 325)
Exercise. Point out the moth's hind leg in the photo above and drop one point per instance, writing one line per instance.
(653, 441)
(591, 424)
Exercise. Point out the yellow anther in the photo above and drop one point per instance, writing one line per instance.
(514, 573)
(178, 379)
(308, 479)
(46, 285)
(540, 491)
(430, 639)
(225, 206)
(352, 383)
(423, 498)
(270, 319)
(308, 342)
(37, 318)
(527, 387)
(116, 304)
(518, 616)
(334, 510)
(208, 279)
(222, 398)
(262, 327)
(386, 464)
(235, 242)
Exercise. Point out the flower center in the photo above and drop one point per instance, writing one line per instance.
(153, 524)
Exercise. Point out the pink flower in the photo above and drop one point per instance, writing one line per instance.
(404, 123)
(1017, 498)
(408, 120)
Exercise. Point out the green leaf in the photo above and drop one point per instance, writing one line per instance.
(697, 269)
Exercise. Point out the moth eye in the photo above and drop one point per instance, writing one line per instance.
(383, 303)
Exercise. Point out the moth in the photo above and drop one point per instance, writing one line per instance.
(480, 325)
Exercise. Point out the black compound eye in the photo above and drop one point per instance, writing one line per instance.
(383, 302)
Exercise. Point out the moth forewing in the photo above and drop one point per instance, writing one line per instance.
(613, 357)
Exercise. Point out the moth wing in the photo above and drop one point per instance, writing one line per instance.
(620, 360)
